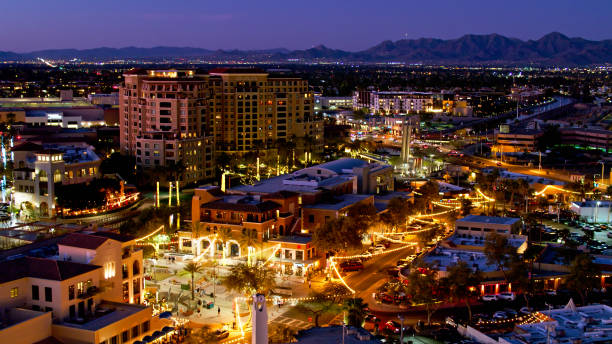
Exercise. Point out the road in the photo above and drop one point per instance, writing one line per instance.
(364, 282)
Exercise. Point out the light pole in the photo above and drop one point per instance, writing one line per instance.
(596, 212)
(603, 164)
(401, 318)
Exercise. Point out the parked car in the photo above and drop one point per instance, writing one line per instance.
(488, 297)
(352, 265)
(394, 326)
(506, 295)
(221, 334)
(511, 312)
(500, 315)
(550, 292)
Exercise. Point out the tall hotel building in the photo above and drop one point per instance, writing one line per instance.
(161, 120)
(174, 115)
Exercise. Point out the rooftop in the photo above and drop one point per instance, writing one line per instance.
(108, 313)
(339, 202)
(43, 268)
(489, 219)
(333, 334)
(588, 324)
(242, 203)
(293, 239)
(80, 240)
(442, 258)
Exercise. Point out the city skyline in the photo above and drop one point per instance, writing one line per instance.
(242, 25)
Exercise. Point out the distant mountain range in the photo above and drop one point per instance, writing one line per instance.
(552, 49)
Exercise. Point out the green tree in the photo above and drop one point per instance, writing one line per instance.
(339, 235)
(583, 276)
(422, 288)
(324, 301)
(248, 280)
(355, 311)
(499, 252)
(460, 283)
(203, 335)
(518, 275)
(192, 268)
(281, 334)
(224, 235)
(466, 206)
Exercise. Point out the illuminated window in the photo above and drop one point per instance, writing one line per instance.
(14, 292)
(109, 270)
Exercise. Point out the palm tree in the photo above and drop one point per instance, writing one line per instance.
(248, 240)
(224, 235)
(192, 268)
(355, 311)
(461, 284)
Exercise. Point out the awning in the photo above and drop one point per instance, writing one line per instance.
(138, 342)
(167, 329)
(157, 334)
(165, 315)
(147, 339)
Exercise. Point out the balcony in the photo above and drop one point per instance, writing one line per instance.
(91, 291)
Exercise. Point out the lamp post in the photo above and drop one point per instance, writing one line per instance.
(603, 164)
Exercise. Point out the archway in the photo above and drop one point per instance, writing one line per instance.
(44, 209)
(233, 248)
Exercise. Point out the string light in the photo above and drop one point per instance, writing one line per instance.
(151, 234)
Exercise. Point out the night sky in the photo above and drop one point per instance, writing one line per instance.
(27, 25)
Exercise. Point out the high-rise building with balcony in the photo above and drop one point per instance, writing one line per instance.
(167, 116)
(161, 121)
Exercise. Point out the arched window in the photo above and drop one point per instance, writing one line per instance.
(42, 175)
(57, 176)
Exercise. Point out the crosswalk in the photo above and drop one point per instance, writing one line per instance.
(291, 322)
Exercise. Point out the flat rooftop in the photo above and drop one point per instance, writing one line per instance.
(478, 241)
(293, 239)
(108, 313)
(339, 202)
(588, 324)
(489, 219)
(442, 258)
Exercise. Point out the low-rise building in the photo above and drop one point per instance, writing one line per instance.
(39, 168)
(76, 297)
(592, 211)
(520, 141)
(571, 324)
(477, 225)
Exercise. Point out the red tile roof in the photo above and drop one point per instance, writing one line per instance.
(27, 147)
(43, 268)
(90, 242)
(251, 208)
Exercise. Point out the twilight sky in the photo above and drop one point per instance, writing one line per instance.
(27, 25)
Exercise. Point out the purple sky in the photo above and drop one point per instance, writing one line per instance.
(27, 25)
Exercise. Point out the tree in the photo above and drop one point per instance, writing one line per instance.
(224, 235)
(280, 334)
(249, 280)
(422, 288)
(193, 268)
(583, 276)
(355, 311)
(466, 206)
(338, 235)
(397, 212)
(204, 335)
(248, 240)
(498, 252)
(460, 283)
(429, 192)
(518, 275)
(325, 301)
